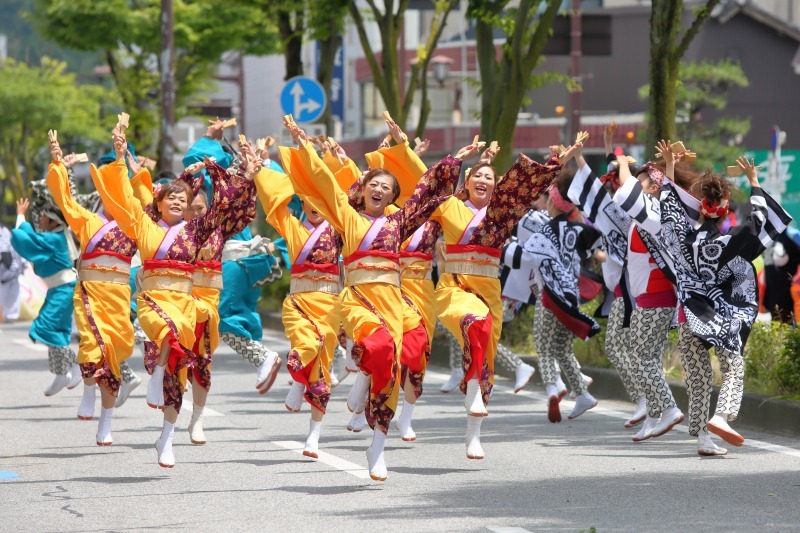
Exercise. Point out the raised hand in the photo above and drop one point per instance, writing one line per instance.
(664, 149)
(70, 160)
(55, 151)
(470, 150)
(568, 154)
(136, 165)
(422, 147)
(215, 129)
(195, 168)
(750, 170)
(298, 135)
(22, 206)
(608, 136)
(490, 153)
(120, 142)
(395, 130)
(337, 150)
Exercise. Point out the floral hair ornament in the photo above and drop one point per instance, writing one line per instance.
(612, 177)
(715, 210)
(655, 175)
(559, 202)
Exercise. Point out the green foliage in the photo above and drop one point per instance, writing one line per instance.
(788, 369)
(703, 86)
(127, 34)
(762, 357)
(34, 99)
(507, 79)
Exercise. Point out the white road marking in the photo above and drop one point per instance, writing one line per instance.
(187, 406)
(326, 458)
(30, 345)
(508, 529)
(760, 444)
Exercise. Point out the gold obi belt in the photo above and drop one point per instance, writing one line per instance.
(167, 275)
(207, 274)
(315, 277)
(472, 260)
(106, 267)
(372, 267)
(415, 265)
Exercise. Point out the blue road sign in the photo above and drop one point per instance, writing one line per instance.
(303, 98)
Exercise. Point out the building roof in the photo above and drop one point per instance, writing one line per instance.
(726, 10)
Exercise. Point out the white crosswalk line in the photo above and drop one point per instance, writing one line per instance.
(328, 459)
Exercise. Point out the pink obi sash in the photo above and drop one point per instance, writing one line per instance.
(98, 236)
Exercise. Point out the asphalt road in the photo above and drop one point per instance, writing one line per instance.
(537, 476)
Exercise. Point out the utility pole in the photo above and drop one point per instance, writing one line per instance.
(166, 148)
(574, 119)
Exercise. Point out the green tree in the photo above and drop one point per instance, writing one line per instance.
(506, 78)
(34, 99)
(127, 33)
(387, 75)
(669, 41)
(319, 20)
(704, 86)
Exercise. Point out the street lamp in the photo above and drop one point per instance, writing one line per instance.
(441, 68)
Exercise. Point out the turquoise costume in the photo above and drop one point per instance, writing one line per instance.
(49, 254)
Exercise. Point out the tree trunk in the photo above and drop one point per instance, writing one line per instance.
(293, 42)
(327, 55)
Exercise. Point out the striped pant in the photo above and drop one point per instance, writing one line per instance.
(697, 364)
(620, 352)
(553, 343)
(649, 329)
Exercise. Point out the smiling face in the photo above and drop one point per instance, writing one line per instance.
(380, 190)
(173, 207)
(198, 208)
(312, 214)
(480, 185)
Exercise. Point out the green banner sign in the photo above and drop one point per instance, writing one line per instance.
(790, 174)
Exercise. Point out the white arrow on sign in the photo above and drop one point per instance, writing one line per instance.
(299, 106)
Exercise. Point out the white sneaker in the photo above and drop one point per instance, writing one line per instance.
(456, 376)
(375, 458)
(155, 388)
(357, 398)
(719, 426)
(311, 448)
(473, 402)
(268, 371)
(587, 382)
(294, 400)
(669, 419)
(583, 403)
(639, 414)
(76, 376)
(523, 374)
(59, 382)
(86, 408)
(350, 365)
(103, 436)
(357, 422)
(125, 390)
(334, 380)
(166, 459)
(707, 448)
(473, 438)
(646, 430)
(196, 433)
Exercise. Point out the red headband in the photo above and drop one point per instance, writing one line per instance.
(612, 177)
(715, 210)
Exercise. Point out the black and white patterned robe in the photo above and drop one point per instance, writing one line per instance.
(715, 277)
